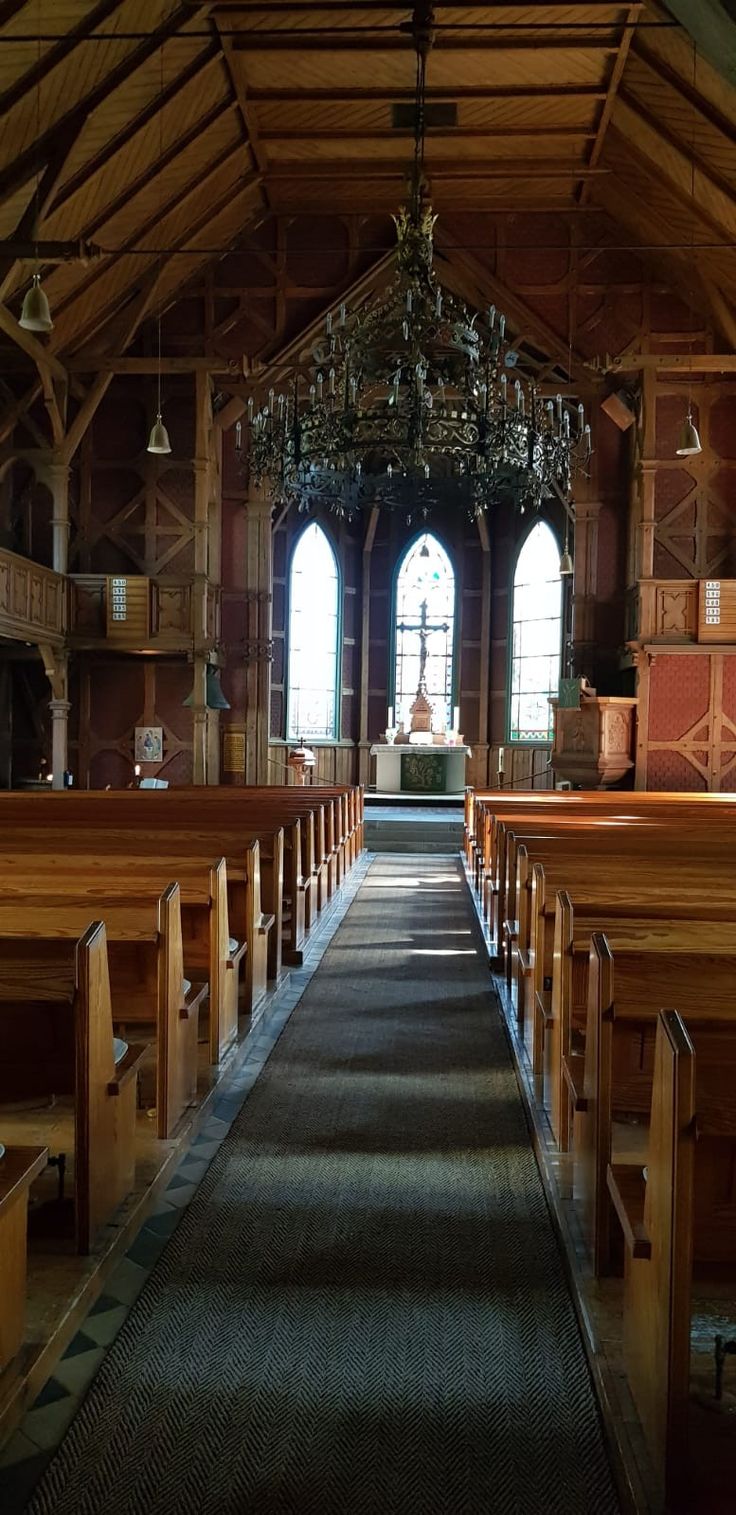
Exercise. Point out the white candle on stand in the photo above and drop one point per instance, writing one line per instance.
(391, 717)
(456, 718)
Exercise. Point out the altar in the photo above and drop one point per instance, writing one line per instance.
(425, 769)
(430, 757)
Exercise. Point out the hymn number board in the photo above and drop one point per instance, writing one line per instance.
(128, 609)
(717, 610)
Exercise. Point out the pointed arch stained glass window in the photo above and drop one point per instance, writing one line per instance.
(314, 623)
(425, 595)
(536, 636)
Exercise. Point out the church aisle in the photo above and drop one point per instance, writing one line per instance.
(364, 1308)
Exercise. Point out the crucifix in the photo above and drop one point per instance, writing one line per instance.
(425, 631)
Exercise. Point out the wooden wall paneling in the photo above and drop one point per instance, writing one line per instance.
(687, 720)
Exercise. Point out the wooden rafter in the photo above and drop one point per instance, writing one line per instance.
(614, 84)
(492, 288)
(22, 168)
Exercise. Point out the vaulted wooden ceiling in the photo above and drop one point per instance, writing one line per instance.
(155, 131)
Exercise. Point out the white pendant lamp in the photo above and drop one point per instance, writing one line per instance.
(567, 566)
(158, 442)
(690, 443)
(159, 438)
(35, 315)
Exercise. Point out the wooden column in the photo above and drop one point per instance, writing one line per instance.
(644, 563)
(484, 735)
(58, 477)
(258, 650)
(56, 668)
(199, 719)
(585, 584)
(206, 731)
(364, 760)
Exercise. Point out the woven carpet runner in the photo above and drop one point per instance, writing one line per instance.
(363, 1310)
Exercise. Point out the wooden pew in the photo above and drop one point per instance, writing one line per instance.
(145, 960)
(665, 920)
(19, 1166)
(679, 1224)
(56, 1038)
(537, 811)
(676, 840)
(211, 954)
(624, 999)
(253, 871)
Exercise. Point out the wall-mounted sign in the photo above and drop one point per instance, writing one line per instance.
(149, 744)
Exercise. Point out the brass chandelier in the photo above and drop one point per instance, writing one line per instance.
(411, 401)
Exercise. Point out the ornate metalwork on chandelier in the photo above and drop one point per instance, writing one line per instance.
(411, 400)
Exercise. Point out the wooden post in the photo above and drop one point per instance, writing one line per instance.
(585, 584)
(58, 476)
(644, 565)
(484, 735)
(199, 716)
(258, 651)
(365, 647)
(56, 668)
(206, 761)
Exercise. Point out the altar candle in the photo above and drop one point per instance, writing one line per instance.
(500, 760)
(391, 717)
(456, 718)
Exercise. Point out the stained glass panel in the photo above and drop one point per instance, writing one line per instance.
(425, 578)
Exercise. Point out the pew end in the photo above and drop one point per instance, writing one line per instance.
(19, 1166)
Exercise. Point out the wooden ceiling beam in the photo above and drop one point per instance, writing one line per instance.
(469, 92)
(241, 95)
(100, 318)
(288, 7)
(390, 134)
(657, 362)
(118, 364)
(280, 363)
(38, 207)
(159, 167)
(685, 151)
(489, 288)
(174, 203)
(18, 410)
(53, 56)
(136, 313)
(43, 358)
(23, 167)
(517, 168)
(722, 310)
(669, 75)
(196, 70)
(614, 83)
(335, 42)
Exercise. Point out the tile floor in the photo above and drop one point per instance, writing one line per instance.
(25, 1456)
